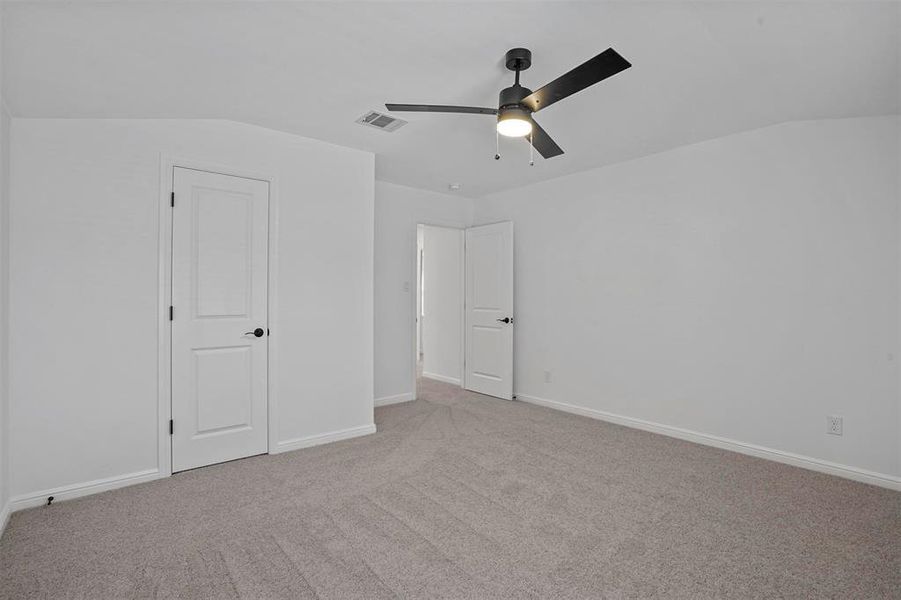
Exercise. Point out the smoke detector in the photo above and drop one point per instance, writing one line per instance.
(381, 121)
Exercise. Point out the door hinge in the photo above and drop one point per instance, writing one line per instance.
(172, 200)
(171, 426)
(171, 313)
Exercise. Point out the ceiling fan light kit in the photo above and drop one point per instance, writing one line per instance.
(514, 122)
(517, 104)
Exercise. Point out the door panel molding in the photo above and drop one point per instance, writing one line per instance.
(168, 163)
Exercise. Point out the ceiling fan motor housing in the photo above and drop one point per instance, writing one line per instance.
(509, 103)
(512, 96)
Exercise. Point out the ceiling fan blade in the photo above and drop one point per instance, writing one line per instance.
(542, 142)
(604, 65)
(441, 108)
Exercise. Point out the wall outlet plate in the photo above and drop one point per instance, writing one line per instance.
(833, 425)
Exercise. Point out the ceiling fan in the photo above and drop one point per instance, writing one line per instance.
(516, 103)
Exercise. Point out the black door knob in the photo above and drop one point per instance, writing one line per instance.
(257, 332)
(506, 320)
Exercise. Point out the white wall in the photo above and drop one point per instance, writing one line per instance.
(84, 288)
(4, 312)
(442, 323)
(398, 210)
(4, 299)
(744, 287)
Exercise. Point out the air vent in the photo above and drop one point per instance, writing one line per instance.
(381, 121)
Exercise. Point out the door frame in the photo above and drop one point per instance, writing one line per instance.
(417, 283)
(168, 163)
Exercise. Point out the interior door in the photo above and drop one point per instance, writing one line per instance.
(489, 310)
(220, 229)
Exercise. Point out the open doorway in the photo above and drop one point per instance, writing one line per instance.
(439, 305)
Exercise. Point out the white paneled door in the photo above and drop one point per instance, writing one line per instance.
(220, 342)
(489, 310)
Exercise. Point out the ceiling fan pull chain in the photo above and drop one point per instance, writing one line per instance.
(531, 148)
(497, 145)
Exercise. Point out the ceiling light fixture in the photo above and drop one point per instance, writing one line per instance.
(514, 122)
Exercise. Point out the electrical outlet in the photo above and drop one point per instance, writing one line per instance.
(833, 425)
(548, 376)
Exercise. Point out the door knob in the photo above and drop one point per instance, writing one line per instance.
(257, 332)
(506, 320)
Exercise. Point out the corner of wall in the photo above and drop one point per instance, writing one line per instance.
(4, 298)
(898, 257)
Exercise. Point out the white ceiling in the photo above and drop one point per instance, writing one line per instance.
(701, 70)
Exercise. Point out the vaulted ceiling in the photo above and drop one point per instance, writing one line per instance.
(701, 70)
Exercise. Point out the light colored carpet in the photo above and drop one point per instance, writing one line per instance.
(464, 496)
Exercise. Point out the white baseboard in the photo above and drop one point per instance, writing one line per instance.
(444, 378)
(83, 489)
(110, 483)
(4, 517)
(324, 438)
(805, 462)
(396, 399)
